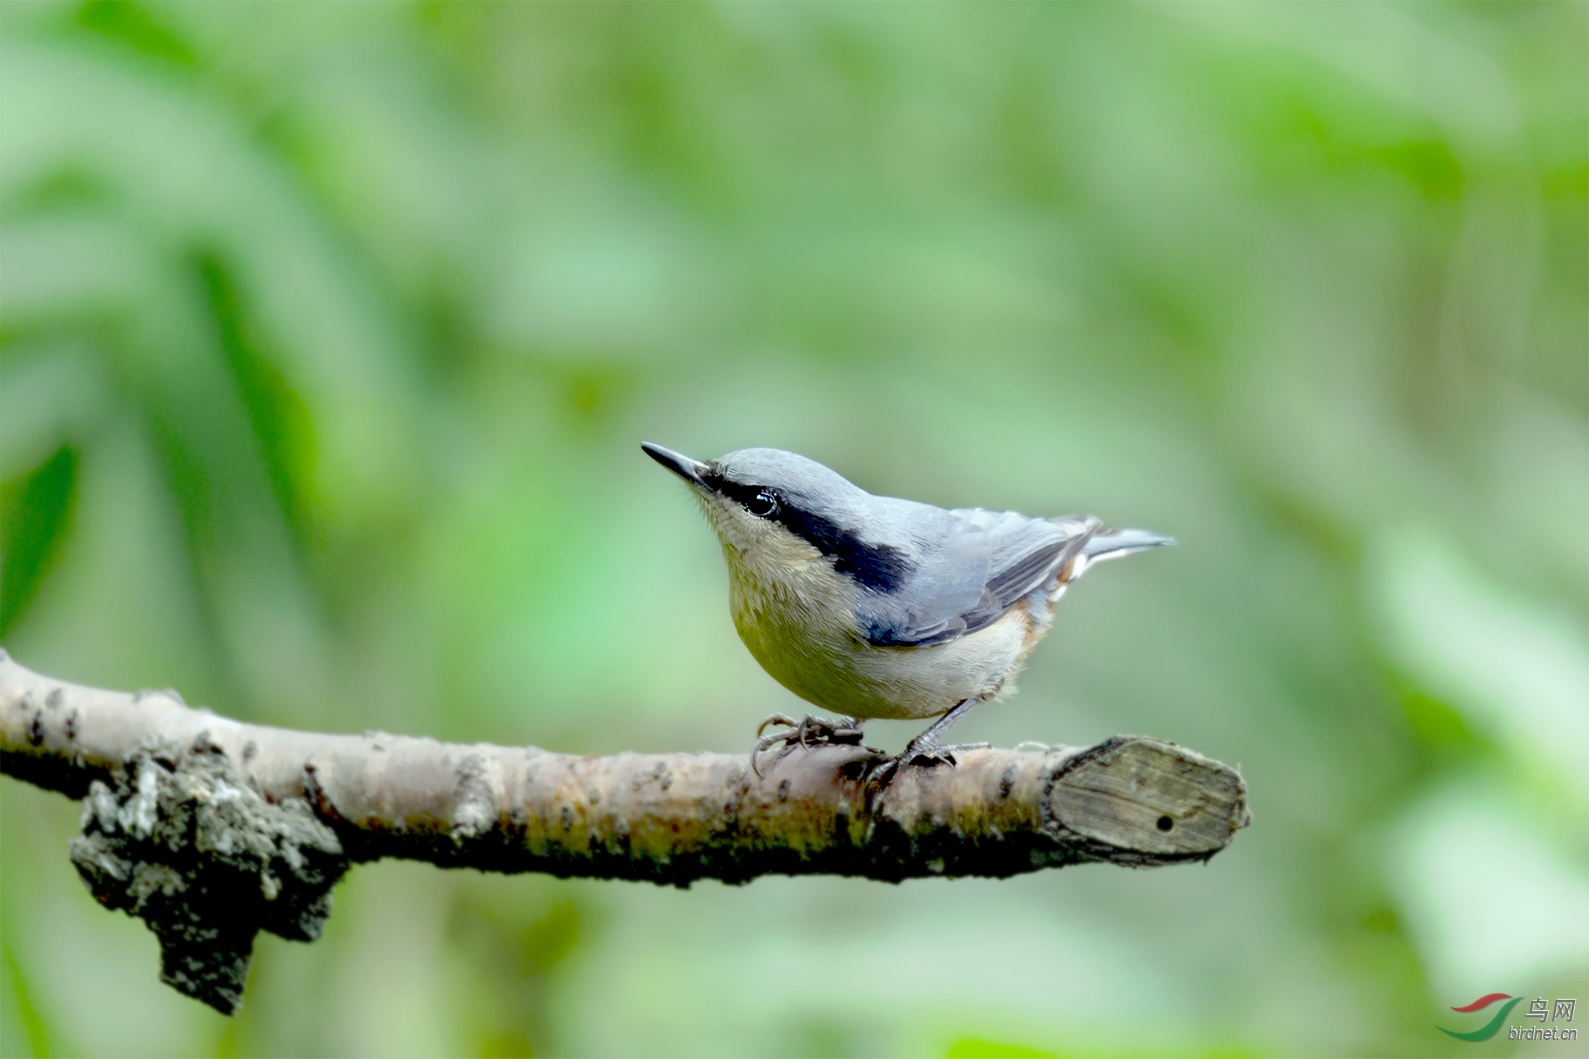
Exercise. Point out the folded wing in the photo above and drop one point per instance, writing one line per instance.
(984, 564)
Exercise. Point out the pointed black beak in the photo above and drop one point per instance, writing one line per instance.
(691, 471)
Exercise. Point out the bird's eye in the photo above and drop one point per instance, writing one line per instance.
(763, 504)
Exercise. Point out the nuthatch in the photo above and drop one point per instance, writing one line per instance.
(870, 606)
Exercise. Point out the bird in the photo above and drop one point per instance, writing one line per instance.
(876, 607)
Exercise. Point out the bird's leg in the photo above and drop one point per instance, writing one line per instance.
(924, 749)
(925, 746)
(803, 735)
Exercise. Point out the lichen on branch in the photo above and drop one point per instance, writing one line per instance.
(179, 839)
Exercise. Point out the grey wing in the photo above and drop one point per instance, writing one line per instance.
(986, 562)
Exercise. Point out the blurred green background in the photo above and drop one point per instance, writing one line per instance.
(329, 333)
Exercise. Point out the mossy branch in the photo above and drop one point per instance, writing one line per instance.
(211, 829)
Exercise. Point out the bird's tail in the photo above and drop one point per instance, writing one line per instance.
(1111, 544)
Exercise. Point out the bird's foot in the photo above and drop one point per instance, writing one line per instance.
(924, 756)
(931, 755)
(803, 735)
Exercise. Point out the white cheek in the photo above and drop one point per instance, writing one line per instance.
(771, 567)
(772, 556)
(734, 526)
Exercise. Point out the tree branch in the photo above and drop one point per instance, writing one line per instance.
(211, 829)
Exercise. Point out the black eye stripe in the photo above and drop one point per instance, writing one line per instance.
(879, 567)
(742, 494)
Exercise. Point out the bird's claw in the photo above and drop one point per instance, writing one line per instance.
(803, 735)
(772, 719)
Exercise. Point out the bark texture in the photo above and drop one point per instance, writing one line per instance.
(211, 829)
